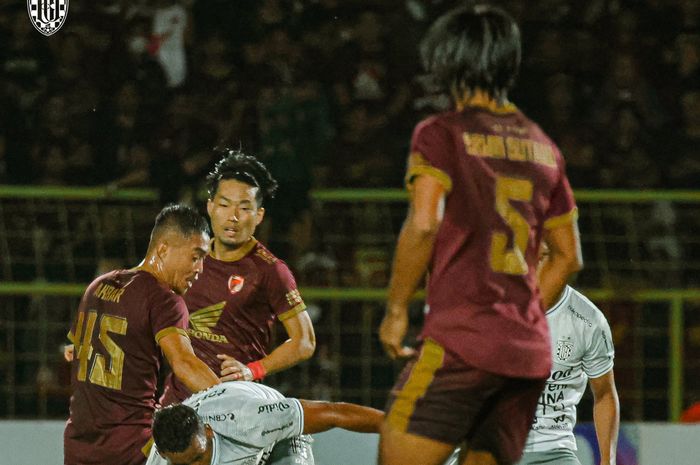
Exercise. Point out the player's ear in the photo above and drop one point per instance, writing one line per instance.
(162, 249)
(208, 431)
(210, 207)
(261, 215)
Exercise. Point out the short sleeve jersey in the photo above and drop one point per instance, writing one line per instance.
(582, 348)
(505, 182)
(248, 419)
(233, 306)
(121, 319)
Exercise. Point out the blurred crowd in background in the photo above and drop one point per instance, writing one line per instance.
(326, 92)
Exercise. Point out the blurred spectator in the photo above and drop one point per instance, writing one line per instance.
(24, 60)
(627, 84)
(628, 151)
(683, 160)
(182, 152)
(691, 14)
(170, 23)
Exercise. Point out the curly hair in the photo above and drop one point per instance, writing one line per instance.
(175, 426)
(244, 168)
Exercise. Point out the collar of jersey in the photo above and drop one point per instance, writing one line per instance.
(485, 103)
(560, 302)
(240, 253)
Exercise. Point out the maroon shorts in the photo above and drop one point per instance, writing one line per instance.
(438, 396)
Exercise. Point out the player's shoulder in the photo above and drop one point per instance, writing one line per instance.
(263, 256)
(268, 263)
(131, 279)
(581, 307)
(435, 122)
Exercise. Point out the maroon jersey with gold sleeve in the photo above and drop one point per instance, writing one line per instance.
(233, 306)
(505, 183)
(121, 319)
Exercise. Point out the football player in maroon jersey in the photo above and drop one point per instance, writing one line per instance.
(486, 186)
(126, 322)
(244, 288)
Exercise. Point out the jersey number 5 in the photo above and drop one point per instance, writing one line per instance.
(104, 374)
(504, 259)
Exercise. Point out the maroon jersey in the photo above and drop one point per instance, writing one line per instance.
(232, 307)
(121, 318)
(505, 182)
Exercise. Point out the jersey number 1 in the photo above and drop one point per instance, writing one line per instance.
(504, 259)
(101, 373)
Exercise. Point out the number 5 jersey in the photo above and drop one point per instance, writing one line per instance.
(505, 183)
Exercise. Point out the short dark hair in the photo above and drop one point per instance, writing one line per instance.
(184, 219)
(174, 427)
(244, 168)
(473, 46)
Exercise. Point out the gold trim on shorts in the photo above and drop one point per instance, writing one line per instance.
(422, 374)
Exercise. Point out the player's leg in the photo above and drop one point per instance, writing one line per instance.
(434, 406)
(502, 433)
(292, 451)
(400, 448)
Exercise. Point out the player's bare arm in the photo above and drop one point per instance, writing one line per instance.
(194, 373)
(606, 416)
(321, 416)
(413, 251)
(299, 347)
(563, 260)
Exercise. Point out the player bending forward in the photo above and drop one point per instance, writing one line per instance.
(244, 423)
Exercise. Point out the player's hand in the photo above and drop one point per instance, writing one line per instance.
(233, 370)
(392, 332)
(68, 351)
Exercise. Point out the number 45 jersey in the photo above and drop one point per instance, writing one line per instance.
(121, 319)
(505, 183)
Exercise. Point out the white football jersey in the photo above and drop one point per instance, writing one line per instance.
(582, 348)
(247, 419)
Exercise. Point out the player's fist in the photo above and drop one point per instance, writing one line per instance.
(233, 370)
(392, 332)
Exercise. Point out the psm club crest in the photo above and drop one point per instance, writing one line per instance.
(47, 15)
(235, 283)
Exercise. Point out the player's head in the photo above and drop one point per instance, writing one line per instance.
(473, 47)
(179, 242)
(181, 437)
(238, 186)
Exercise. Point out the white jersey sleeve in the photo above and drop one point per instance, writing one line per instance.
(582, 347)
(598, 358)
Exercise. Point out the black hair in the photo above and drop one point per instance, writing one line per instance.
(181, 218)
(174, 427)
(473, 46)
(244, 168)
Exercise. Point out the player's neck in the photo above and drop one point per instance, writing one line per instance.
(152, 266)
(229, 253)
